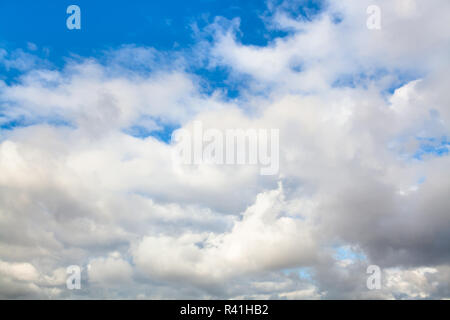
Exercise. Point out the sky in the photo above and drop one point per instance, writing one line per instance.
(88, 116)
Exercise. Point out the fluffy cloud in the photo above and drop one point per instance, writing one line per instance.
(363, 118)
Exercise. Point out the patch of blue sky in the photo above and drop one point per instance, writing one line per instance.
(8, 124)
(9, 76)
(347, 81)
(302, 9)
(162, 133)
(297, 67)
(421, 180)
(388, 80)
(437, 147)
(303, 273)
(21, 122)
(218, 78)
(347, 253)
(336, 18)
(401, 78)
(425, 148)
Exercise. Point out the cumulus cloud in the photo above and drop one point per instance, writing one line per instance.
(364, 121)
(110, 271)
(210, 258)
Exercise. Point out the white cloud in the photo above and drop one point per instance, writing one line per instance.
(19, 271)
(110, 271)
(208, 258)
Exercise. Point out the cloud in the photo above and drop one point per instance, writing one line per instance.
(110, 271)
(354, 108)
(213, 258)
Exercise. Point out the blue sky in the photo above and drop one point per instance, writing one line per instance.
(164, 25)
